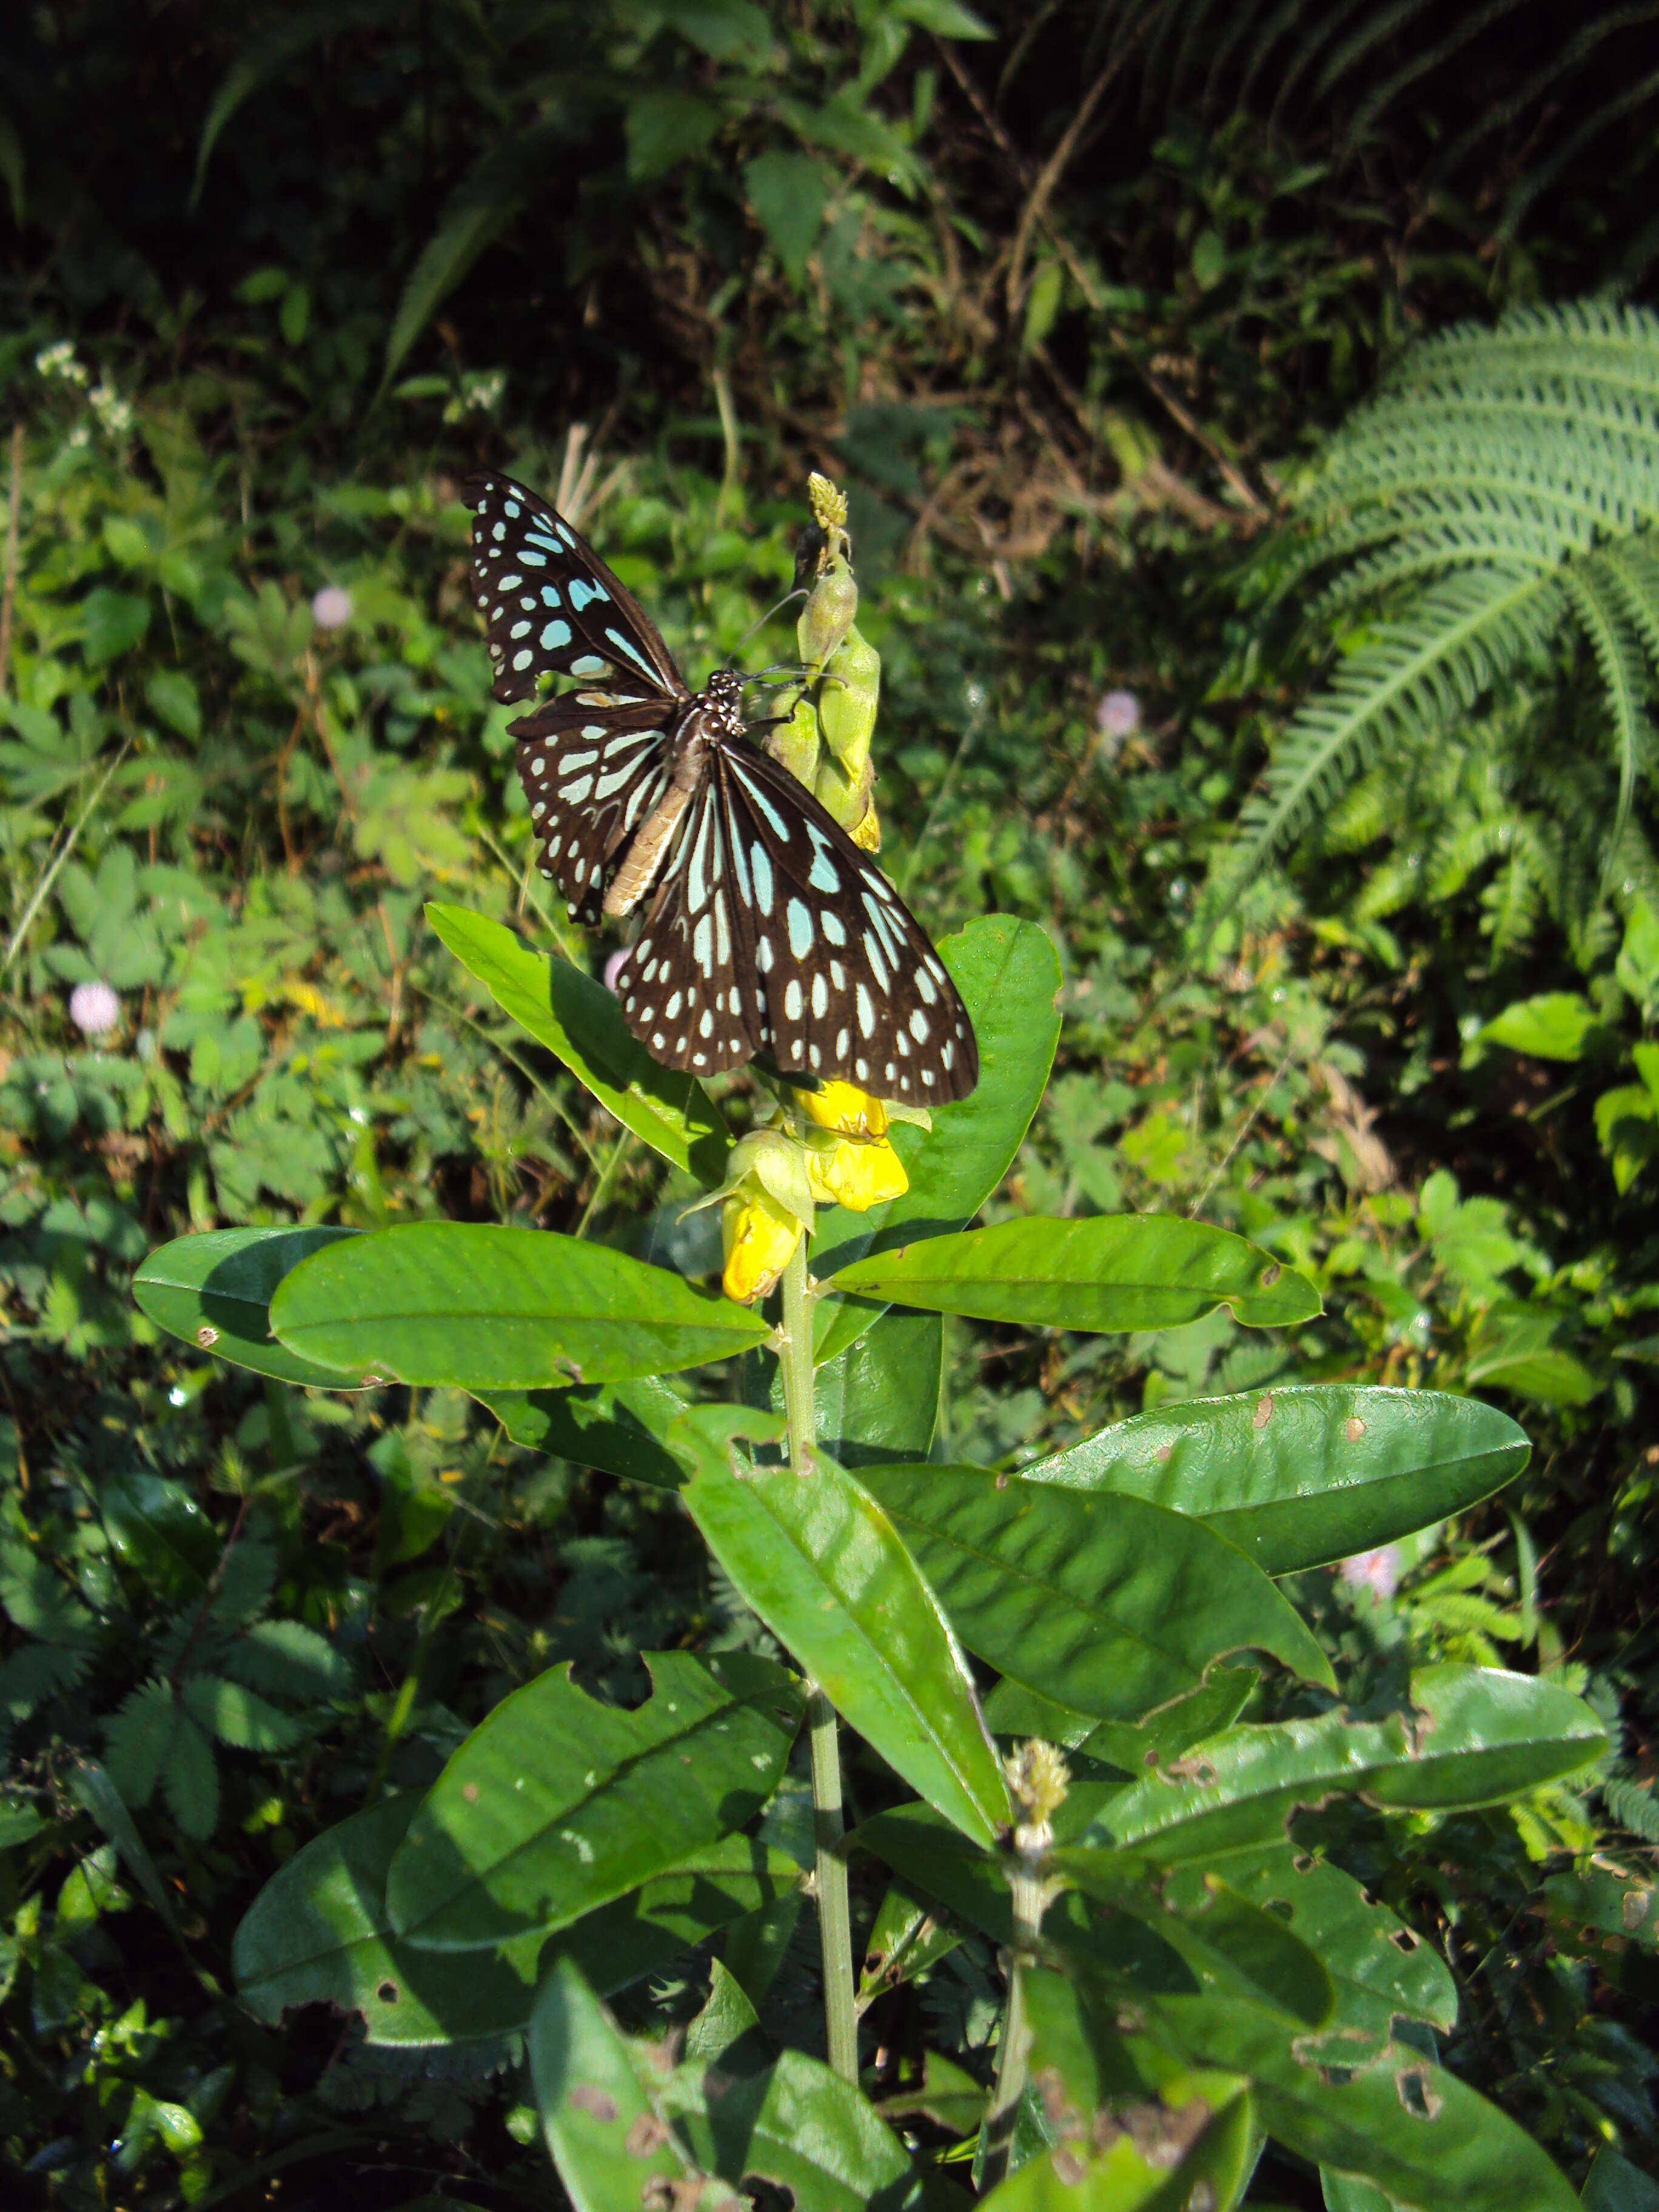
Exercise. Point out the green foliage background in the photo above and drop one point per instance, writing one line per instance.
(1070, 299)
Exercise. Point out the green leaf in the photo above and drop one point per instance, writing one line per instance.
(580, 1022)
(1299, 1476)
(945, 19)
(319, 1933)
(555, 1803)
(1214, 1927)
(1008, 974)
(618, 1427)
(1118, 1272)
(113, 622)
(1554, 1025)
(1386, 2113)
(611, 2148)
(665, 128)
(1475, 1735)
(215, 1291)
(879, 1399)
(1107, 1604)
(800, 2127)
(238, 1715)
(906, 1937)
(819, 1561)
(787, 192)
(1615, 2185)
(476, 1307)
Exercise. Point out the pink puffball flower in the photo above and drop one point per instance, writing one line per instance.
(95, 1009)
(613, 968)
(1118, 714)
(332, 608)
(1377, 1571)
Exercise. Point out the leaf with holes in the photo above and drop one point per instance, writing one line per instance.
(606, 2136)
(1474, 1735)
(319, 1933)
(555, 1803)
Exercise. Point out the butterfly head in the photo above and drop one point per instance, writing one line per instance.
(724, 693)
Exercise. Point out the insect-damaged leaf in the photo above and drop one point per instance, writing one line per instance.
(556, 1803)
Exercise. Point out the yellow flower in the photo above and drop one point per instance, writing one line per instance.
(843, 1108)
(854, 1173)
(760, 1237)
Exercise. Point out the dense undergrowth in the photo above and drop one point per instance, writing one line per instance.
(248, 734)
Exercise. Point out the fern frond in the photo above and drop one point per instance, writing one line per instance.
(1632, 1806)
(1460, 633)
(1423, 62)
(1618, 658)
(1632, 570)
(238, 1717)
(286, 1659)
(139, 1740)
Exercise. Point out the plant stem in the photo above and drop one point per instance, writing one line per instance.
(1012, 2051)
(834, 1910)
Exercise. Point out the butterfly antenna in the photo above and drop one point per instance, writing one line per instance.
(799, 593)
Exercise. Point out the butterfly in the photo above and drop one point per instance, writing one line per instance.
(767, 930)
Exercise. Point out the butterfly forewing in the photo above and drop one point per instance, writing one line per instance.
(552, 607)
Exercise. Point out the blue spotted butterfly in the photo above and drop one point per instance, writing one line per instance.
(766, 929)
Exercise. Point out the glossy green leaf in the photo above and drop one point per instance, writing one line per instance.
(1008, 974)
(1614, 2184)
(555, 1803)
(819, 1561)
(215, 1290)
(1385, 2114)
(946, 2095)
(1602, 1909)
(1555, 1025)
(582, 1024)
(1300, 1475)
(1107, 1271)
(319, 1933)
(1474, 1736)
(1107, 1604)
(477, 1307)
(879, 1399)
(604, 2133)
(618, 1427)
(797, 2126)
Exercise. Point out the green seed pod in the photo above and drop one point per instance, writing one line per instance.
(796, 742)
(847, 700)
(828, 615)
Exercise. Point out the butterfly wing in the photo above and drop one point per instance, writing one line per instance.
(770, 928)
(550, 604)
(592, 767)
(688, 985)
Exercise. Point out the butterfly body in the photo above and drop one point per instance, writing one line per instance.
(766, 928)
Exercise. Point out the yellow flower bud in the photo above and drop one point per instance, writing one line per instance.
(844, 1109)
(866, 834)
(759, 1236)
(845, 1171)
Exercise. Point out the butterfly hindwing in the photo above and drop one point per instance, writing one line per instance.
(852, 986)
(552, 607)
(688, 985)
